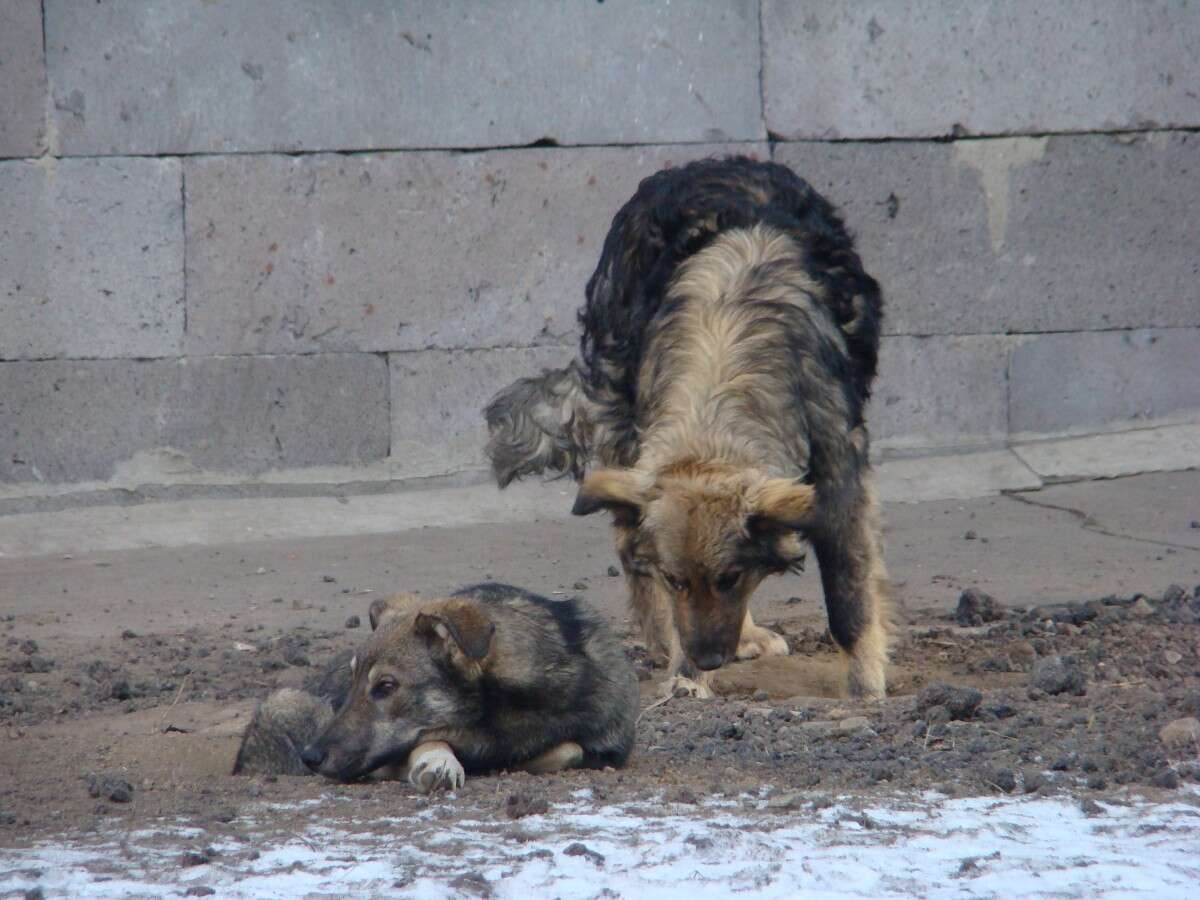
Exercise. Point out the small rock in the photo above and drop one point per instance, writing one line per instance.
(578, 849)
(191, 858)
(977, 608)
(792, 601)
(1090, 807)
(1141, 608)
(970, 536)
(1174, 594)
(518, 806)
(683, 795)
(786, 801)
(1166, 779)
(613, 571)
(471, 883)
(199, 890)
(580, 586)
(1172, 657)
(733, 731)
(960, 702)
(1181, 732)
(1005, 780)
(1058, 675)
(120, 690)
(128, 634)
(118, 790)
(353, 622)
(329, 579)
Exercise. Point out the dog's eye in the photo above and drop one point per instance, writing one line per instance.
(728, 581)
(672, 582)
(384, 687)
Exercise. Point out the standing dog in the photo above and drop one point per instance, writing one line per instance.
(730, 339)
(493, 677)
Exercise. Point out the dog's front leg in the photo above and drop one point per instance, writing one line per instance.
(853, 577)
(433, 766)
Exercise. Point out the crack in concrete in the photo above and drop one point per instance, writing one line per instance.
(1091, 523)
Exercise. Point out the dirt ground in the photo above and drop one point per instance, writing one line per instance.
(125, 678)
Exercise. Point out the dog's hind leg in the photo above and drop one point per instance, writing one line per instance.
(567, 755)
(539, 424)
(849, 553)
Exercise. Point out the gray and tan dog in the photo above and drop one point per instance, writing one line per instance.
(730, 340)
(493, 677)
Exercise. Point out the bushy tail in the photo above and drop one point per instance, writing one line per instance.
(539, 424)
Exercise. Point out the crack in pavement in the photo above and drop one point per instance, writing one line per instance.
(1090, 523)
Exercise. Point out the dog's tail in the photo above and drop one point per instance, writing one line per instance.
(539, 424)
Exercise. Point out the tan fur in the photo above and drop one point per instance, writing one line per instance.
(567, 755)
(867, 662)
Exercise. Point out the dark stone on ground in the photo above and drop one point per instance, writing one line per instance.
(1058, 675)
(960, 702)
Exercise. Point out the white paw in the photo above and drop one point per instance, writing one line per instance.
(435, 770)
(679, 686)
(760, 643)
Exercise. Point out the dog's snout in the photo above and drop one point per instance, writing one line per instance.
(312, 756)
(713, 659)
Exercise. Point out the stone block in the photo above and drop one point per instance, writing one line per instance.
(438, 399)
(940, 393)
(1086, 381)
(920, 68)
(82, 420)
(407, 251)
(167, 77)
(91, 258)
(22, 79)
(1021, 234)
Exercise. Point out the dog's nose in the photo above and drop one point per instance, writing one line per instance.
(312, 756)
(709, 661)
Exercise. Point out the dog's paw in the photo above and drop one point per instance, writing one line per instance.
(760, 642)
(435, 768)
(679, 686)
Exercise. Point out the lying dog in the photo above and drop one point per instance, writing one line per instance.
(730, 340)
(493, 677)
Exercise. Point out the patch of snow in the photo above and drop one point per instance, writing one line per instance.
(975, 847)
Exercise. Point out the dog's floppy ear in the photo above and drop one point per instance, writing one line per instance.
(783, 503)
(458, 630)
(389, 606)
(623, 491)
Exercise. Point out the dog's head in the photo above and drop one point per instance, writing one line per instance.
(710, 534)
(418, 673)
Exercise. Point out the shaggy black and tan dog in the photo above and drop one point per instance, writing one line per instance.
(730, 339)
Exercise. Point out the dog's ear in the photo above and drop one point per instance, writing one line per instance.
(389, 606)
(623, 491)
(458, 630)
(782, 504)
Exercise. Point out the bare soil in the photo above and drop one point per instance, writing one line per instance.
(136, 729)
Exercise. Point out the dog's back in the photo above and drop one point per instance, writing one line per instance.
(589, 410)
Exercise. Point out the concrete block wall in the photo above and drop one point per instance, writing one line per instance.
(245, 238)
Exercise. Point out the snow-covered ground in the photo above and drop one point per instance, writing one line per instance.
(928, 846)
